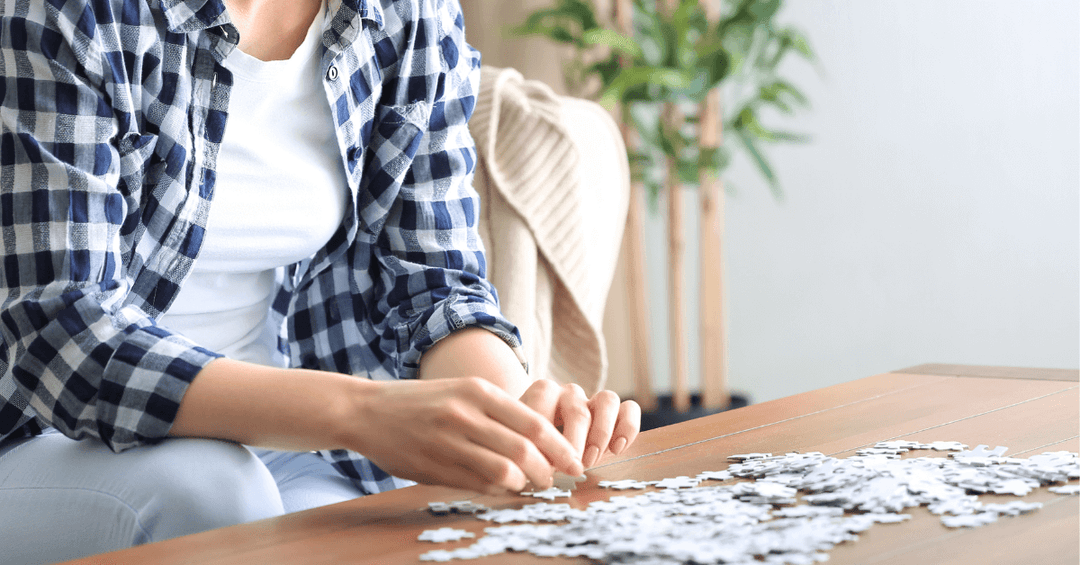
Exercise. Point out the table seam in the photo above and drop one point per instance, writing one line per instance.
(960, 420)
(1046, 445)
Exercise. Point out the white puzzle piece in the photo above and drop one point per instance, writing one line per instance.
(445, 534)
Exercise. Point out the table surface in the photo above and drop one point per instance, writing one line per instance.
(1027, 410)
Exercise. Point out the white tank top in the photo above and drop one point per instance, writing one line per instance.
(279, 196)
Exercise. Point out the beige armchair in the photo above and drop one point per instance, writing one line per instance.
(554, 187)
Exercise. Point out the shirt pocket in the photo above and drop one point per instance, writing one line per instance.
(397, 136)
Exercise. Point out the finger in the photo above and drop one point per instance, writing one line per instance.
(475, 468)
(576, 417)
(514, 448)
(456, 477)
(604, 407)
(451, 459)
(522, 419)
(497, 472)
(627, 426)
(543, 397)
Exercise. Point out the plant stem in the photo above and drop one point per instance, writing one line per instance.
(680, 397)
(635, 253)
(713, 330)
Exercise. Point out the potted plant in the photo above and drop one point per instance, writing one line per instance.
(662, 65)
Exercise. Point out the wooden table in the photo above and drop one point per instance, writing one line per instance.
(1028, 410)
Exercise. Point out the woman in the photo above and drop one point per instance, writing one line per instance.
(315, 160)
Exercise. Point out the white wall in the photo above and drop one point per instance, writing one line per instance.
(933, 218)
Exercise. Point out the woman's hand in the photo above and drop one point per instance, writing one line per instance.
(594, 426)
(460, 432)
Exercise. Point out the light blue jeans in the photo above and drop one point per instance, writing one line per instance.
(61, 499)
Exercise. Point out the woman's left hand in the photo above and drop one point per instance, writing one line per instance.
(594, 426)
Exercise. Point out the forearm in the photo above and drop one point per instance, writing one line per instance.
(475, 352)
(288, 409)
(461, 432)
(302, 410)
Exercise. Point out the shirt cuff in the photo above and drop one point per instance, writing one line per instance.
(457, 312)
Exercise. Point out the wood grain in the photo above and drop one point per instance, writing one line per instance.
(1027, 415)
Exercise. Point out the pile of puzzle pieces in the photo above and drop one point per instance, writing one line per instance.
(762, 520)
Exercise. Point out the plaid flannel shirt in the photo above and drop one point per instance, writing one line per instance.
(112, 112)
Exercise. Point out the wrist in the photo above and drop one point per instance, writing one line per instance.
(351, 420)
(288, 409)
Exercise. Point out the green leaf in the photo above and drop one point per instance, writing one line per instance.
(764, 10)
(747, 122)
(699, 23)
(762, 163)
(652, 51)
(802, 45)
(717, 64)
(613, 39)
(737, 38)
(682, 20)
(640, 163)
(582, 12)
(606, 69)
(563, 35)
(535, 21)
(557, 33)
(714, 159)
(664, 140)
(670, 44)
(628, 78)
(788, 137)
(648, 132)
(773, 95)
(649, 34)
(652, 190)
(688, 171)
(638, 93)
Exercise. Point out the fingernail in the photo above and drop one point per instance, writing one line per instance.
(591, 453)
(620, 445)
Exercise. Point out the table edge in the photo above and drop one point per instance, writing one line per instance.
(993, 372)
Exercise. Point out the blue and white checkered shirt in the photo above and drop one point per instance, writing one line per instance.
(112, 112)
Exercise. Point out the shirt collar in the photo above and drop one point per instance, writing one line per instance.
(185, 16)
(193, 15)
(365, 9)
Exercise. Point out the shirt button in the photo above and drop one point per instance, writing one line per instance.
(354, 153)
(331, 73)
(309, 361)
(333, 315)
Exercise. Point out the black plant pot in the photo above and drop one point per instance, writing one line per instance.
(665, 414)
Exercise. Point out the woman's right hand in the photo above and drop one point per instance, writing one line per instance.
(460, 432)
